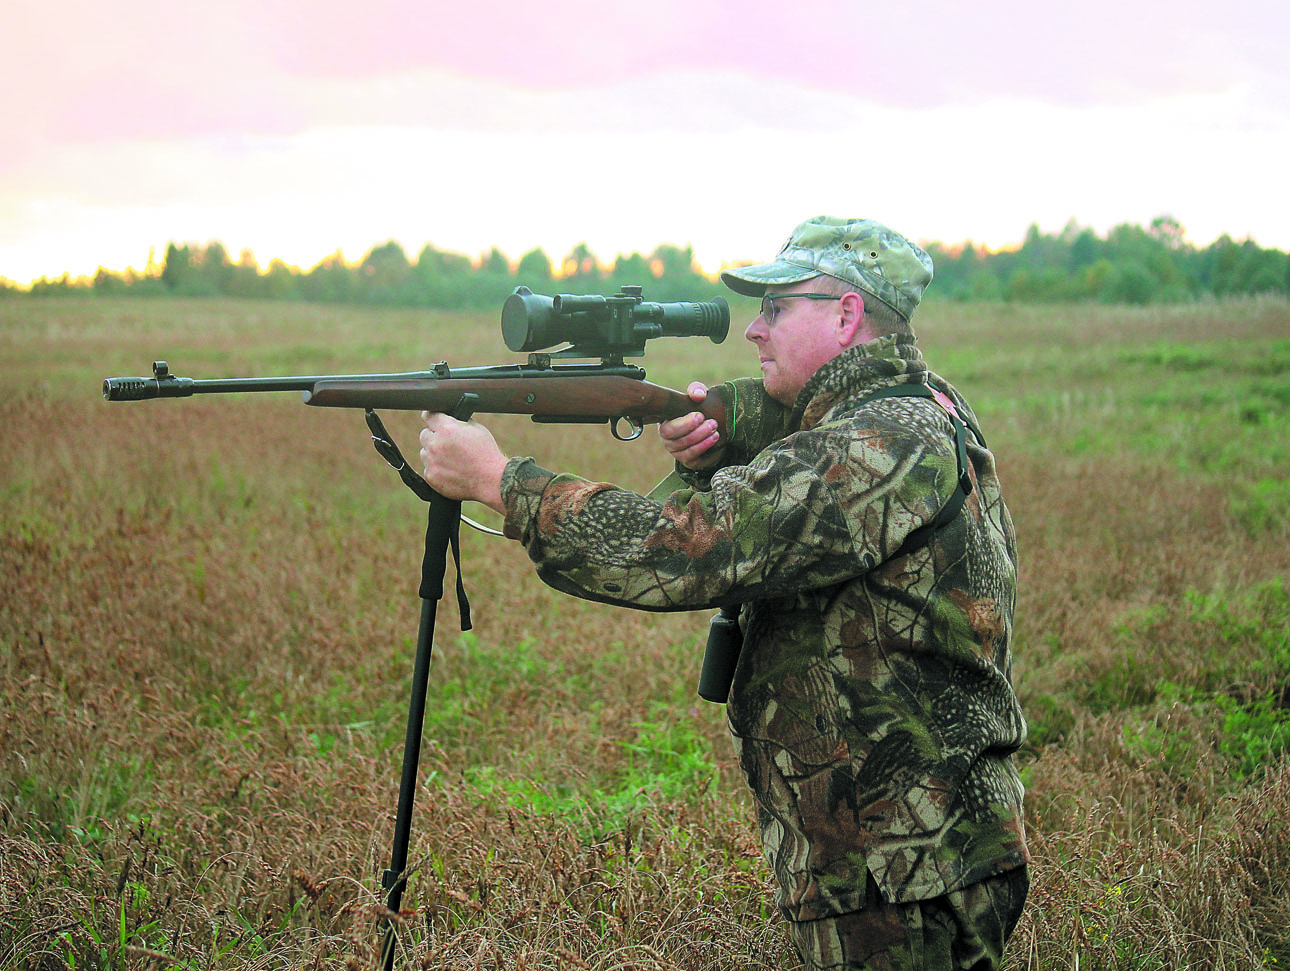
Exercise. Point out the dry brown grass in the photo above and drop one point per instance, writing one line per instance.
(207, 626)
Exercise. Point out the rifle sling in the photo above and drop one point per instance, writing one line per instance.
(954, 504)
(431, 573)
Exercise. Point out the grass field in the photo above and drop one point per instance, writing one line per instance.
(209, 612)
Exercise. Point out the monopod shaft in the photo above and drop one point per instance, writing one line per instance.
(395, 878)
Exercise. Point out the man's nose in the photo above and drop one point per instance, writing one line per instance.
(756, 331)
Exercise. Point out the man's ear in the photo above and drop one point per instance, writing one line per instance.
(851, 328)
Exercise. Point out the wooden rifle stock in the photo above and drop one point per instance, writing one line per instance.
(547, 396)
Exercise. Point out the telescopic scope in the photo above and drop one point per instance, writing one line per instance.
(595, 324)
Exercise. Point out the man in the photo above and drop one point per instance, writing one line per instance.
(856, 514)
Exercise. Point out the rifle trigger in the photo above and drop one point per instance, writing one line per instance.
(634, 424)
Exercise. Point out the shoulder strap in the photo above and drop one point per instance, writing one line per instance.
(954, 504)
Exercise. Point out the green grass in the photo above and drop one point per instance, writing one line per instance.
(207, 635)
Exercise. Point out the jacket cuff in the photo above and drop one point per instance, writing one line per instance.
(523, 483)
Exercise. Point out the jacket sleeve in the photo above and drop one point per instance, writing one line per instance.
(812, 510)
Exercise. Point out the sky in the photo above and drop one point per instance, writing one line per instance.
(297, 129)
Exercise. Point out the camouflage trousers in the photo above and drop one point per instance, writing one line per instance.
(961, 931)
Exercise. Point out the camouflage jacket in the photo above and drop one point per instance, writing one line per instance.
(872, 707)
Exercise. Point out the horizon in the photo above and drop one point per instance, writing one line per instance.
(299, 131)
(157, 254)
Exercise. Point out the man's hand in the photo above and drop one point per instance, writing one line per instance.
(692, 439)
(462, 461)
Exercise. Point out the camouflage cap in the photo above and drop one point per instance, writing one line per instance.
(860, 252)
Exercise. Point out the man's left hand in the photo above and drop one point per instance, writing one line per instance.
(461, 460)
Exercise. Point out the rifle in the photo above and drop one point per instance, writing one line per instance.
(611, 391)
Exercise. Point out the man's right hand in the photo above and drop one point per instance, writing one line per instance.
(692, 439)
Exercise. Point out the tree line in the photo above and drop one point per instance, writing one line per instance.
(386, 276)
(1130, 264)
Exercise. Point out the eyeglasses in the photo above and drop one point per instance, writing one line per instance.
(769, 310)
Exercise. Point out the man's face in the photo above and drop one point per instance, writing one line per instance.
(801, 337)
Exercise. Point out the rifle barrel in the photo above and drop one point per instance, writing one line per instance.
(173, 386)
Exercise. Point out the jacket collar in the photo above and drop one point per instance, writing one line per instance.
(889, 360)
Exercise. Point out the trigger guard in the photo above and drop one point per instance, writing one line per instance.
(636, 426)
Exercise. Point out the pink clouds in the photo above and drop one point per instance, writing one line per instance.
(139, 68)
(937, 52)
(278, 124)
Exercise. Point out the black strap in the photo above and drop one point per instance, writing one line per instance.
(954, 504)
(431, 573)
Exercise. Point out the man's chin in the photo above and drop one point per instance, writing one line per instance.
(780, 394)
